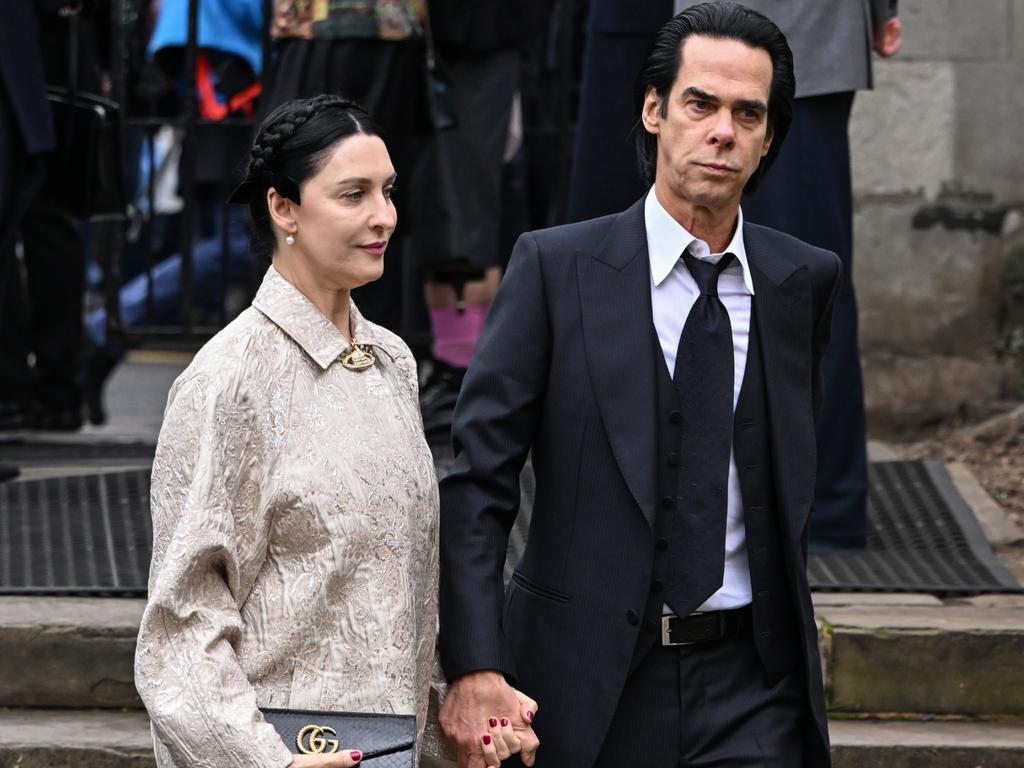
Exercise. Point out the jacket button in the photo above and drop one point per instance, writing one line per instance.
(667, 502)
(661, 544)
(632, 617)
(657, 585)
(673, 459)
(674, 417)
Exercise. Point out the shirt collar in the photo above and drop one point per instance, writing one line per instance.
(289, 309)
(667, 239)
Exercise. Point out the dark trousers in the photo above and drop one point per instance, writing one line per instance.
(42, 313)
(807, 193)
(47, 320)
(706, 705)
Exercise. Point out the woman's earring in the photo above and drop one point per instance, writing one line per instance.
(290, 239)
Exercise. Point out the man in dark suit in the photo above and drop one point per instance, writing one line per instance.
(663, 366)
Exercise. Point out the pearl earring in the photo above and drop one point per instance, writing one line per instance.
(290, 239)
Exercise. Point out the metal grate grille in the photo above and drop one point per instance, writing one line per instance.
(78, 534)
(63, 452)
(922, 537)
(92, 534)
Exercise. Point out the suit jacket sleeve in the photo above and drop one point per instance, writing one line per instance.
(883, 10)
(493, 429)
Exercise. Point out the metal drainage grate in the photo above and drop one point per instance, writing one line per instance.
(91, 534)
(79, 534)
(36, 452)
(922, 537)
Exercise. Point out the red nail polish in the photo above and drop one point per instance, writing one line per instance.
(529, 716)
(355, 755)
(493, 723)
(504, 723)
(487, 739)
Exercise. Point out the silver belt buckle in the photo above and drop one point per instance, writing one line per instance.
(666, 633)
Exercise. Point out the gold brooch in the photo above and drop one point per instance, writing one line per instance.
(358, 357)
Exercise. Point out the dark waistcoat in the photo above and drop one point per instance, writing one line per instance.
(776, 630)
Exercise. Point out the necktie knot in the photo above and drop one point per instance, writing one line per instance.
(706, 273)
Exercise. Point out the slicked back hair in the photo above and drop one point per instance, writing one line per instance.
(725, 21)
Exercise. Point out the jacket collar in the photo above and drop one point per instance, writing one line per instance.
(289, 309)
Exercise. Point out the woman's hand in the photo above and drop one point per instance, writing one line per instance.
(503, 737)
(344, 759)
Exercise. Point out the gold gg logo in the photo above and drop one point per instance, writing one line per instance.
(310, 740)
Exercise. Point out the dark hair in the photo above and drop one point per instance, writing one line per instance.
(727, 21)
(292, 144)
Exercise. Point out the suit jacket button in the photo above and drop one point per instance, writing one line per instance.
(667, 502)
(673, 459)
(632, 617)
(674, 417)
(661, 544)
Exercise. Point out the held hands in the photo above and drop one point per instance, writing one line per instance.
(475, 701)
(347, 758)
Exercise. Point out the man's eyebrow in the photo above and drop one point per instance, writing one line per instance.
(755, 104)
(699, 94)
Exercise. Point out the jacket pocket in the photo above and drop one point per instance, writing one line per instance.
(539, 590)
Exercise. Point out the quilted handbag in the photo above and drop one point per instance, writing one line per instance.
(386, 741)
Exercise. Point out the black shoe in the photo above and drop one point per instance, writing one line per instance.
(441, 389)
(8, 471)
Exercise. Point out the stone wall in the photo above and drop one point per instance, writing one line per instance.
(938, 176)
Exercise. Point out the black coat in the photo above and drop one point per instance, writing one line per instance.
(565, 368)
(21, 72)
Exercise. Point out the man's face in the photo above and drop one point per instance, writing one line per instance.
(714, 131)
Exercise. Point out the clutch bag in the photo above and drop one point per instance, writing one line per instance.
(386, 741)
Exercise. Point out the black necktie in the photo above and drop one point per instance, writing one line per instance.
(704, 380)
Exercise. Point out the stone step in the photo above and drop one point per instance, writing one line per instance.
(68, 651)
(917, 654)
(37, 738)
(935, 744)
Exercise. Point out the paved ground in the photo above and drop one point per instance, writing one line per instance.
(136, 395)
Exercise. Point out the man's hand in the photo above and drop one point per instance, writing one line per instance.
(887, 37)
(476, 700)
(347, 758)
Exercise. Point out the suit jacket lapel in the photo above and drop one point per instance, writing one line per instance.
(782, 301)
(615, 301)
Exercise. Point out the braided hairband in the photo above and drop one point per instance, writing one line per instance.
(256, 182)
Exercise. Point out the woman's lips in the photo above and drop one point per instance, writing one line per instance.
(376, 249)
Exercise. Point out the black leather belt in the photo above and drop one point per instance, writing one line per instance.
(703, 627)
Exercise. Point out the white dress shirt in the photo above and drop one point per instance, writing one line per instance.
(673, 293)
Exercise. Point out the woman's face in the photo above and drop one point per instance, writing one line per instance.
(347, 216)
